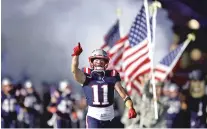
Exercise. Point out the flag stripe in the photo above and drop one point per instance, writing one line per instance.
(134, 59)
(140, 70)
(136, 65)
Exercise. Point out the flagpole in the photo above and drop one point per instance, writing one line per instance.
(152, 62)
(190, 37)
(155, 5)
(118, 14)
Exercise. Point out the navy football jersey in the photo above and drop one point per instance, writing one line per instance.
(99, 89)
(9, 104)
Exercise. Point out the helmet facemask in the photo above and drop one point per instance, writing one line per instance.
(99, 64)
(99, 60)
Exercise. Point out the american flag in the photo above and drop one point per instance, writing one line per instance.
(115, 47)
(111, 37)
(115, 54)
(168, 62)
(136, 60)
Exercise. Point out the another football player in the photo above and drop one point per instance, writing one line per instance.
(9, 105)
(62, 107)
(99, 84)
(31, 105)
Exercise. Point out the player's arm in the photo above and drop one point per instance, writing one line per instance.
(78, 75)
(123, 94)
(127, 100)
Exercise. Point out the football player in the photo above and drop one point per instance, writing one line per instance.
(98, 85)
(62, 107)
(9, 105)
(174, 106)
(31, 105)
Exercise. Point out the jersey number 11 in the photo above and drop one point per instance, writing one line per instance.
(96, 95)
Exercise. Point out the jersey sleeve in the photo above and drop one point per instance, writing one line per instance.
(115, 74)
(86, 71)
(118, 78)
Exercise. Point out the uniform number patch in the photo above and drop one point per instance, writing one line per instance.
(96, 95)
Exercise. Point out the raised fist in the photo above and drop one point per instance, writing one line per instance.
(77, 50)
(132, 113)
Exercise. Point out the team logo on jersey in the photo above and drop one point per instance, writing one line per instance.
(99, 78)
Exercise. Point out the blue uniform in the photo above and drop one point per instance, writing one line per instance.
(173, 112)
(32, 104)
(99, 92)
(64, 110)
(64, 105)
(8, 111)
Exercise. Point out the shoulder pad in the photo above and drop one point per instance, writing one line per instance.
(114, 73)
(87, 70)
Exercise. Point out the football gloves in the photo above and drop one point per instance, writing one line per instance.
(77, 50)
(132, 113)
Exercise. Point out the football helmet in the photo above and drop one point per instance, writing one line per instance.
(173, 87)
(28, 84)
(64, 87)
(99, 54)
(5, 82)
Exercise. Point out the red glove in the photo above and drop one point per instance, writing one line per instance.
(77, 50)
(132, 113)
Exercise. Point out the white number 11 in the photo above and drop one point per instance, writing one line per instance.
(105, 95)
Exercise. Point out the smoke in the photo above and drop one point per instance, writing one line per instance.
(39, 35)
